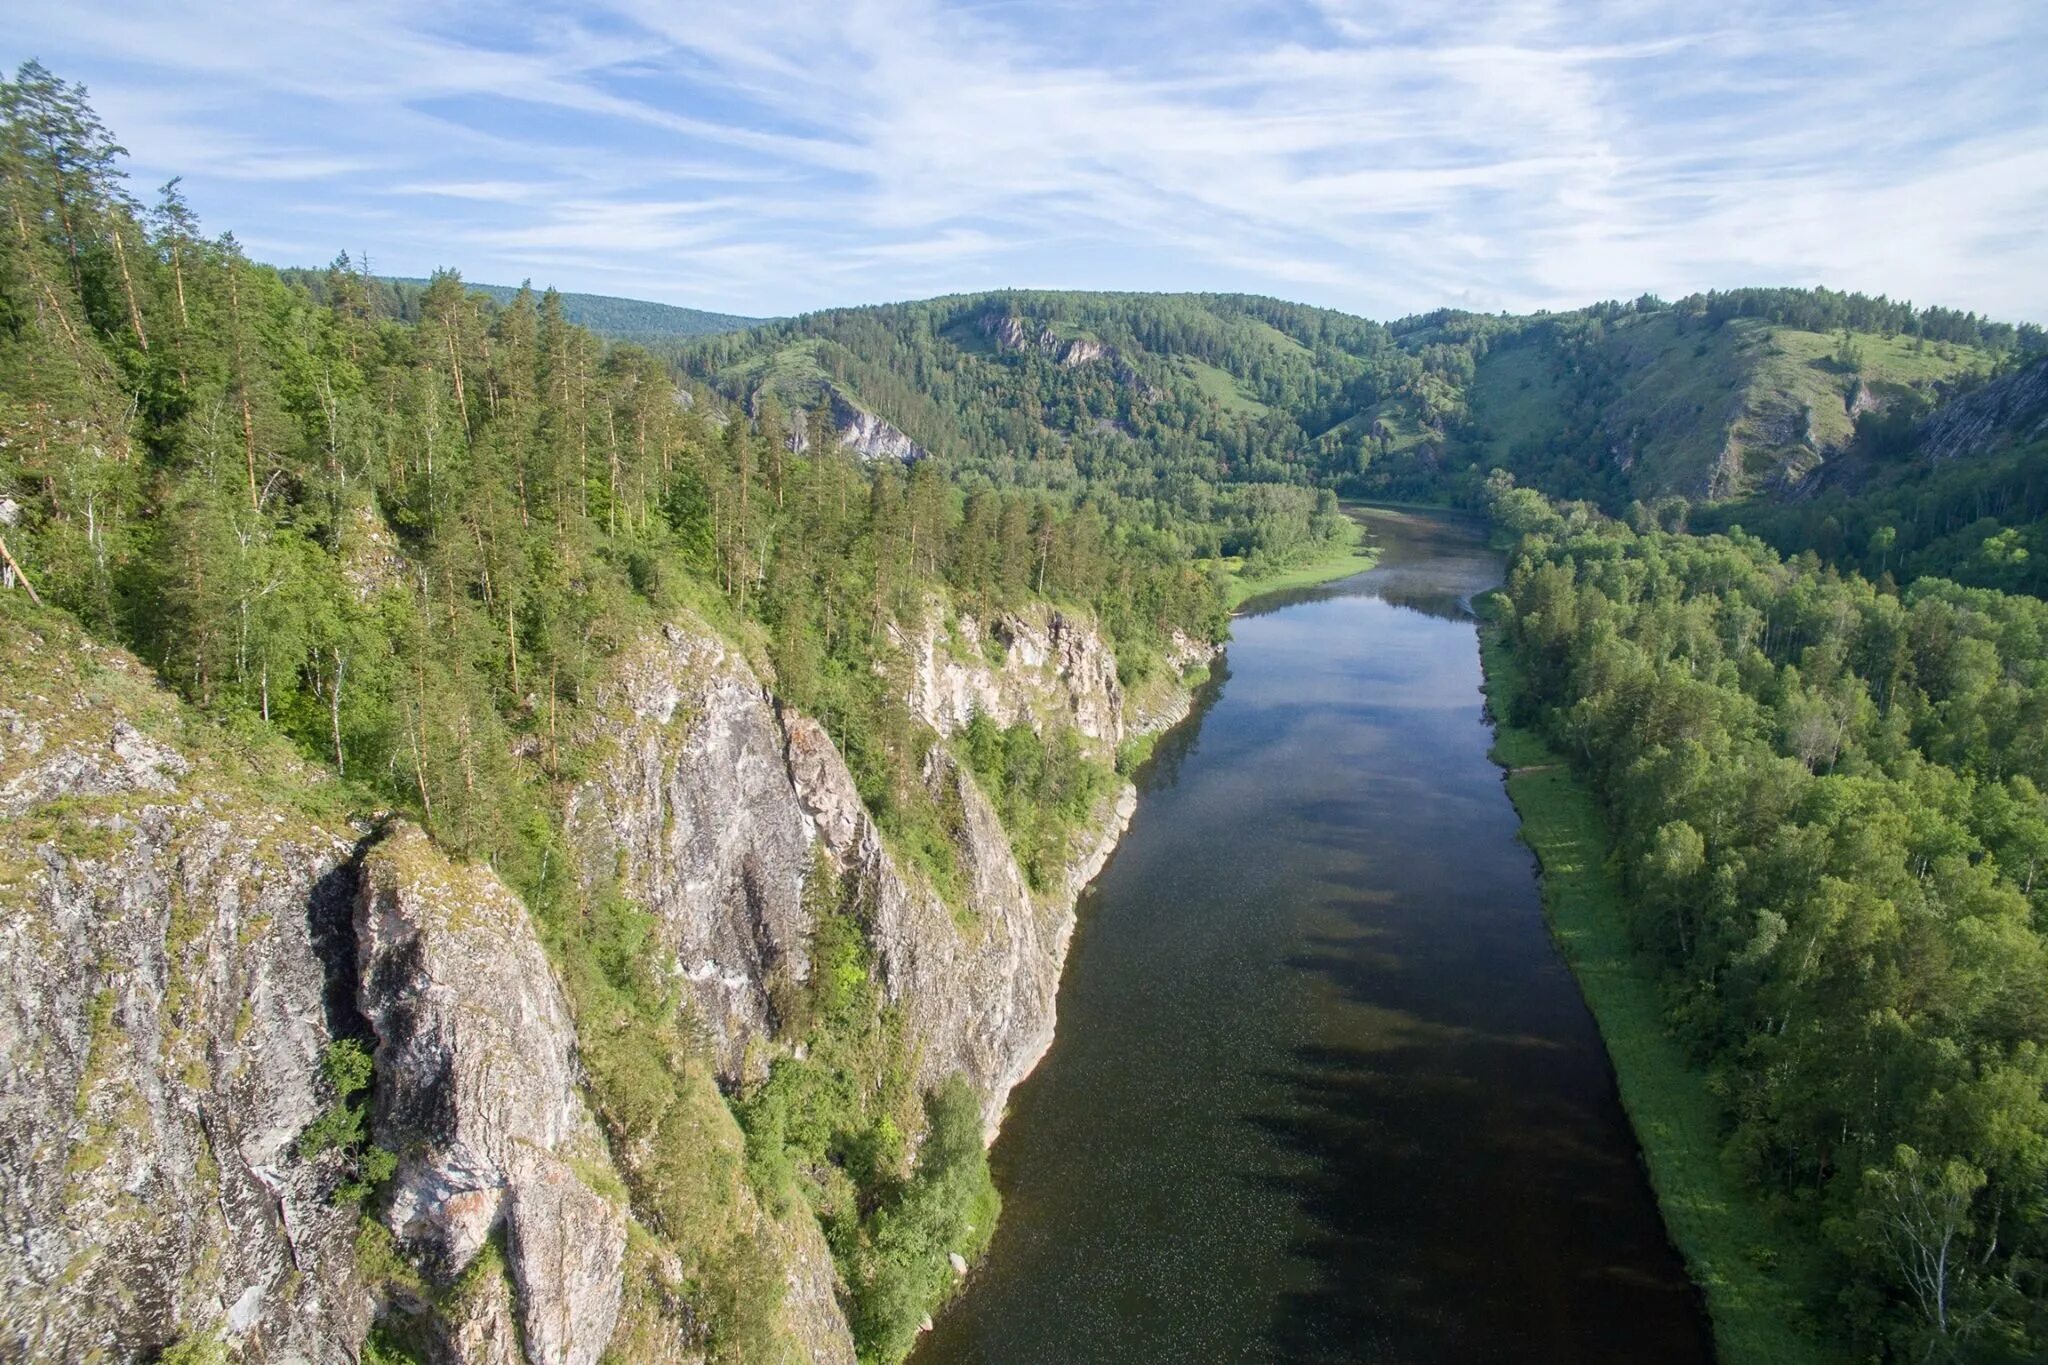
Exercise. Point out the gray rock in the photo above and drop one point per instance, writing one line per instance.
(2003, 413)
(1055, 672)
(163, 1005)
(479, 1092)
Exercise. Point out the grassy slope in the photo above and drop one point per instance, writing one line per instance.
(1756, 1278)
(1514, 399)
(1220, 387)
(1685, 396)
(1341, 561)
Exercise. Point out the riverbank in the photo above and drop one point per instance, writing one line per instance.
(1756, 1279)
(1339, 561)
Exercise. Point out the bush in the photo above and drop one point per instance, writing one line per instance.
(342, 1128)
(949, 1206)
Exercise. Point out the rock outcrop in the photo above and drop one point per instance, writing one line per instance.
(166, 962)
(977, 998)
(479, 1094)
(1042, 666)
(861, 431)
(182, 942)
(2006, 412)
(694, 819)
(1012, 333)
(715, 802)
(870, 436)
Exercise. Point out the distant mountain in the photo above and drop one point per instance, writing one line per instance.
(623, 319)
(1714, 398)
(397, 296)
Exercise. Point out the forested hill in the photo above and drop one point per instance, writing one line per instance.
(1713, 398)
(402, 297)
(429, 558)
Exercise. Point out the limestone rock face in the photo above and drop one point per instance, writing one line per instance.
(479, 1094)
(166, 952)
(695, 820)
(870, 436)
(1054, 670)
(716, 803)
(864, 433)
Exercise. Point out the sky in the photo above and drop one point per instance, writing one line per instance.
(770, 157)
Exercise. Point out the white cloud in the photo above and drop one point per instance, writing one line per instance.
(1385, 157)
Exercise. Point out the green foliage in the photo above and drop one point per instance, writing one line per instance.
(343, 1126)
(1042, 788)
(206, 1349)
(1828, 822)
(833, 1125)
(902, 1270)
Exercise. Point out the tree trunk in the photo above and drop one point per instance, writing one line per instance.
(128, 288)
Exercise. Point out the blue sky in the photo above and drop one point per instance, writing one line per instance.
(1385, 158)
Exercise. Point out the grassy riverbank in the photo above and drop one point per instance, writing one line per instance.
(1757, 1280)
(1339, 561)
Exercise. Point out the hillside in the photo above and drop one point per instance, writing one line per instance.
(1713, 398)
(1062, 390)
(619, 318)
(1704, 411)
(1961, 493)
(400, 297)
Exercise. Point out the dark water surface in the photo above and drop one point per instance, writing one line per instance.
(1322, 1089)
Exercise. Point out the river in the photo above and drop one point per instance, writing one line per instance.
(1323, 1089)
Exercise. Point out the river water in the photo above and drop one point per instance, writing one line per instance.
(1322, 1088)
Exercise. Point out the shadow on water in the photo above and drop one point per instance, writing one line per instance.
(1322, 1089)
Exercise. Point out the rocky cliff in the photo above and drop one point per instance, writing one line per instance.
(1041, 665)
(712, 798)
(2009, 411)
(480, 1096)
(182, 942)
(172, 957)
(863, 432)
(191, 924)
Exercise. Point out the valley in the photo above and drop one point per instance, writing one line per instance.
(550, 827)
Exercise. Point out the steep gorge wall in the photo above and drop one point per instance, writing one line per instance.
(183, 940)
(166, 947)
(712, 801)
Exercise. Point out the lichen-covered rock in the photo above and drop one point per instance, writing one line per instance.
(478, 1093)
(692, 816)
(480, 1326)
(168, 939)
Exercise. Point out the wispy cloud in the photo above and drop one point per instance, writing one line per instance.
(1379, 155)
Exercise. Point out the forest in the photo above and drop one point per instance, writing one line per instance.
(407, 540)
(1826, 799)
(402, 526)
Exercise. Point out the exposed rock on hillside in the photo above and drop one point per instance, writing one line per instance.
(1012, 333)
(868, 435)
(182, 943)
(479, 1092)
(861, 431)
(1043, 666)
(165, 962)
(711, 807)
(2005, 412)
(695, 820)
